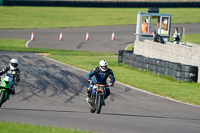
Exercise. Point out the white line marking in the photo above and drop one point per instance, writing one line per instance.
(127, 85)
(157, 95)
(28, 43)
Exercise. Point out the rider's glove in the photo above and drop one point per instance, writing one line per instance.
(110, 84)
(88, 80)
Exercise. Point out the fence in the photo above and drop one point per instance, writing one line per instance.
(116, 4)
(1, 2)
(179, 71)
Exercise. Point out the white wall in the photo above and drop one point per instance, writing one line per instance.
(186, 54)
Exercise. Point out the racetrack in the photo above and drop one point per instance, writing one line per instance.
(74, 38)
(53, 94)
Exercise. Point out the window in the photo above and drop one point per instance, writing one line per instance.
(155, 23)
(145, 24)
(164, 25)
(160, 25)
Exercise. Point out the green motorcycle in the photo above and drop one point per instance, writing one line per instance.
(6, 86)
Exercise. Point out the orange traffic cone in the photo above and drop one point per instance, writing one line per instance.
(32, 36)
(60, 38)
(113, 36)
(87, 36)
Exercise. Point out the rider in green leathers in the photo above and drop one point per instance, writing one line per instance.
(14, 71)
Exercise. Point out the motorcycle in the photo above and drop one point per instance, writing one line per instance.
(97, 99)
(6, 86)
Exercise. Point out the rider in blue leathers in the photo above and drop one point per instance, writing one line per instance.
(101, 73)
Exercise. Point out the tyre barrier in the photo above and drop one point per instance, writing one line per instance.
(120, 55)
(115, 4)
(178, 71)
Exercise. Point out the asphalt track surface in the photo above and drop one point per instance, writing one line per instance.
(74, 38)
(53, 94)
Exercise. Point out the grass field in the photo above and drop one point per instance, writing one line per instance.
(130, 47)
(52, 17)
(9, 127)
(193, 38)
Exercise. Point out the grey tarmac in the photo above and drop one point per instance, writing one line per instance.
(74, 38)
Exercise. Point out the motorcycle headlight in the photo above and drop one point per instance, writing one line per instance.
(100, 87)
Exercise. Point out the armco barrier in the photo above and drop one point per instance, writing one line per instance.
(179, 71)
(116, 4)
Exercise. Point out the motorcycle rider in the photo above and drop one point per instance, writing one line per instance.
(100, 73)
(14, 71)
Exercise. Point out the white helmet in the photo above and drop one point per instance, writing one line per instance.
(13, 63)
(103, 65)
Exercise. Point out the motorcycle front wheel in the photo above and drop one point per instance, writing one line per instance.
(2, 96)
(99, 103)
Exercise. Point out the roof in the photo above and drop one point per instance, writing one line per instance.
(155, 14)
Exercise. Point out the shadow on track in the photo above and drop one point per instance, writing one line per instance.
(43, 110)
(42, 79)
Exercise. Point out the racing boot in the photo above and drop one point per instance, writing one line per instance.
(13, 91)
(107, 93)
(89, 92)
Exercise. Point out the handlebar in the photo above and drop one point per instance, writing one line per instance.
(94, 82)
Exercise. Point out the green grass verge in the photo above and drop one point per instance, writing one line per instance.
(51, 17)
(193, 38)
(9, 127)
(130, 47)
(165, 86)
(19, 45)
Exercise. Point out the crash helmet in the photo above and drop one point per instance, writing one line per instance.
(13, 63)
(103, 65)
